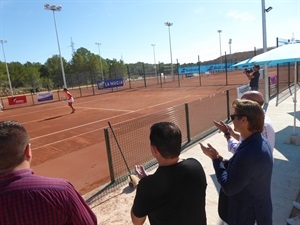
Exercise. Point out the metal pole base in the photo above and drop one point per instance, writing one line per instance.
(293, 139)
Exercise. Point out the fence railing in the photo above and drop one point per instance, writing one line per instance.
(132, 137)
(284, 77)
(194, 119)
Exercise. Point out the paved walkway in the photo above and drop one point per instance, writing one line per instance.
(285, 180)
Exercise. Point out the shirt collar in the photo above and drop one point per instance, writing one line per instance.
(9, 177)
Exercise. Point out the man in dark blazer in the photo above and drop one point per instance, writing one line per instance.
(245, 179)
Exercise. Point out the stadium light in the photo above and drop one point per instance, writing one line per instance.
(230, 42)
(168, 24)
(54, 8)
(100, 60)
(153, 45)
(265, 49)
(8, 76)
(220, 47)
(269, 9)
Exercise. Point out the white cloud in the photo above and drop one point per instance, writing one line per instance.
(241, 16)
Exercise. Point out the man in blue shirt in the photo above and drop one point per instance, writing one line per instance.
(245, 179)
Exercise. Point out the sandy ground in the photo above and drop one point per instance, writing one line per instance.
(119, 202)
(114, 208)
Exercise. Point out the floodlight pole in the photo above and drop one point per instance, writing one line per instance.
(8, 76)
(168, 24)
(153, 45)
(100, 60)
(266, 77)
(54, 8)
(220, 47)
(230, 42)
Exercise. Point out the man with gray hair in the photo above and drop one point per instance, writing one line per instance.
(234, 138)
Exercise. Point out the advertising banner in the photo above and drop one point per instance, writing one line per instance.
(242, 89)
(110, 83)
(42, 97)
(17, 100)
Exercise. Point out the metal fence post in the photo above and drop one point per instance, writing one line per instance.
(187, 119)
(177, 65)
(228, 104)
(199, 69)
(129, 76)
(144, 76)
(109, 157)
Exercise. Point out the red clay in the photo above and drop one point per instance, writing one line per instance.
(72, 146)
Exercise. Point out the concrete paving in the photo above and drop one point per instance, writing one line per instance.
(285, 178)
(286, 170)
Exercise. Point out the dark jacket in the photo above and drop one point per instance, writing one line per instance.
(247, 182)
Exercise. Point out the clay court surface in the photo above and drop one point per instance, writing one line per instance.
(72, 146)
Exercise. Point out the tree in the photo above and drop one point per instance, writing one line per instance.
(54, 68)
(117, 69)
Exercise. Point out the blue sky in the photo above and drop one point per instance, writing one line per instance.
(127, 28)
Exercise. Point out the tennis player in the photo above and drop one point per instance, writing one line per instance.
(70, 99)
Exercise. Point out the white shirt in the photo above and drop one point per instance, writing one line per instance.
(268, 133)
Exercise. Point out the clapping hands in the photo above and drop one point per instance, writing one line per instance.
(140, 171)
(210, 151)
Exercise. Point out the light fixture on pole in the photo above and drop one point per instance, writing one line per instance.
(220, 46)
(230, 42)
(153, 45)
(269, 9)
(8, 76)
(54, 8)
(100, 60)
(265, 49)
(168, 24)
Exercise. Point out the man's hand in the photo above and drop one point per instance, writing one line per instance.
(222, 126)
(210, 151)
(140, 171)
(231, 131)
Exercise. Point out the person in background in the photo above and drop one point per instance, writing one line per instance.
(234, 139)
(70, 99)
(29, 199)
(245, 179)
(253, 76)
(175, 193)
(294, 220)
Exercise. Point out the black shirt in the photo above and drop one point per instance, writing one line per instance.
(173, 195)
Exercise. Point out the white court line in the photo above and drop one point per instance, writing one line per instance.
(105, 109)
(84, 109)
(58, 107)
(97, 121)
(67, 138)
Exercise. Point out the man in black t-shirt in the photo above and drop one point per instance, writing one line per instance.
(175, 193)
(254, 78)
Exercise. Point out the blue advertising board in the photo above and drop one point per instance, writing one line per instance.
(203, 68)
(45, 97)
(110, 83)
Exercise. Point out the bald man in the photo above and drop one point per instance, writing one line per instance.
(234, 139)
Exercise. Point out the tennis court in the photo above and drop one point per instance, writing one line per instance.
(72, 146)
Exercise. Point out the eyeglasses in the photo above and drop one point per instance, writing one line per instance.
(232, 116)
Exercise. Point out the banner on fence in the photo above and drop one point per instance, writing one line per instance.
(42, 97)
(273, 85)
(110, 83)
(17, 100)
(242, 89)
(273, 80)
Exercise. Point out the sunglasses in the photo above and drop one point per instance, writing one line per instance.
(232, 116)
